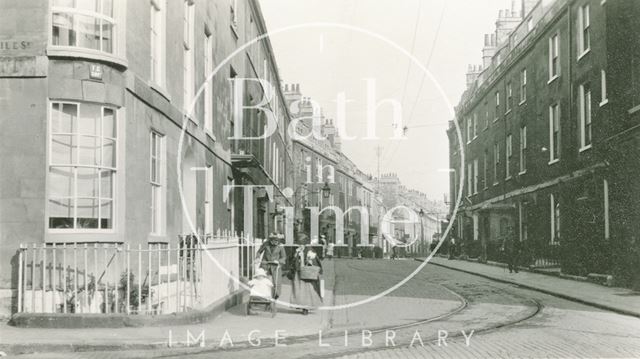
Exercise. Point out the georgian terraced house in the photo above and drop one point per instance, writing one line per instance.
(550, 126)
(93, 98)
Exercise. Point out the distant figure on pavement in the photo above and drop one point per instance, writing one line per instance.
(452, 247)
(511, 250)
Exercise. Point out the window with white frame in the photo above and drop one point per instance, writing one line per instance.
(188, 72)
(82, 166)
(485, 169)
(555, 219)
(554, 132)
(509, 96)
(523, 85)
(469, 129)
(585, 116)
(475, 125)
(509, 154)
(497, 106)
(469, 175)
(157, 163)
(88, 24)
(475, 176)
(603, 88)
(584, 23)
(496, 161)
(523, 149)
(486, 115)
(554, 57)
(208, 87)
(157, 41)
(208, 201)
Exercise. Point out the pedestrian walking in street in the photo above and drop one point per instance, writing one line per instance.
(330, 249)
(452, 247)
(511, 249)
(305, 279)
(274, 257)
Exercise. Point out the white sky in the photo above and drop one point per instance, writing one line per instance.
(326, 61)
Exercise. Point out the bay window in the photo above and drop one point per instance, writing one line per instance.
(88, 24)
(82, 166)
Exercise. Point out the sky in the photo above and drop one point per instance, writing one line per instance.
(371, 59)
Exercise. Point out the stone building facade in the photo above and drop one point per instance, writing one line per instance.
(537, 125)
(106, 109)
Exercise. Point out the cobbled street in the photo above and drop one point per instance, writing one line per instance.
(499, 320)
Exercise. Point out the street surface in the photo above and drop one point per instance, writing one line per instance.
(474, 317)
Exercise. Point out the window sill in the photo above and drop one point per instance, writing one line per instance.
(496, 119)
(508, 112)
(157, 238)
(496, 183)
(604, 102)
(507, 178)
(552, 79)
(554, 161)
(522, 173)
(79, 52)
(584, 53)
(522, 102)
(587, 147)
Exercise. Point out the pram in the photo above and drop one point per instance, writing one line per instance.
(268, 303)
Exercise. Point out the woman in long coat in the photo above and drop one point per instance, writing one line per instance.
(305, 294)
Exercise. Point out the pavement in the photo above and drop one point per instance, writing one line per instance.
(619, 300)
(232, 324)
(235, 326)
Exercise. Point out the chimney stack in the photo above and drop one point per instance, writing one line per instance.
(488, 50)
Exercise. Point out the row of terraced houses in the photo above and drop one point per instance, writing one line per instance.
(547, 140)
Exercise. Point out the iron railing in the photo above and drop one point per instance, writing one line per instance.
(158, 278)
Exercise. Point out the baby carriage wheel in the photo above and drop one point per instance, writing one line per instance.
(274, 309)
(248, 308)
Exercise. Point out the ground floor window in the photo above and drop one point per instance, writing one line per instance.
(82, 166)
